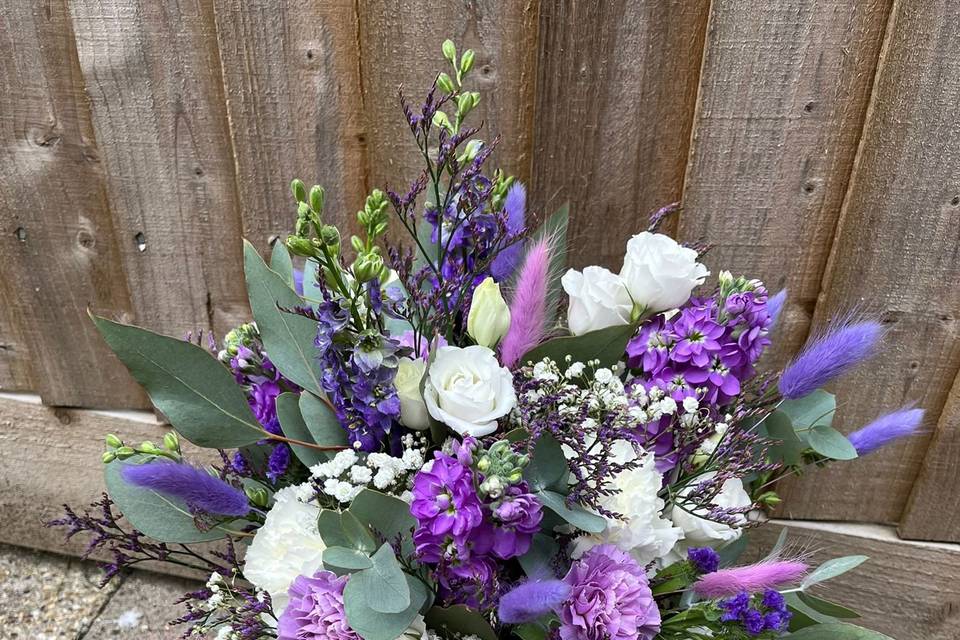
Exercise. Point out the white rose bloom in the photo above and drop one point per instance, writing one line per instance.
(598, 299)
(286, 546)
(468, 390)
(413, 412)
(700, 532)
(643, 533)
(659, 273)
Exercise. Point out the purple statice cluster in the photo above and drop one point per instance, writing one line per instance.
(227, 609)
(358, 369)
(465, 531)
(703, 559)
(766, 612)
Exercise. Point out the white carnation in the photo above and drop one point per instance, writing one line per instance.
(286, 546)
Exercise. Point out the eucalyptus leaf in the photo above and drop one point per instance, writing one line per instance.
(831, 443)
(813, 409)
(576, 515)
(311, 288)
(789, 448)
(386, 515)
(530, 631)
(731, 552)
(281, 263)
(342, 529)
(193, 390)
(460, 621)
(345, 558)
(803, 616)
(837, 631)
(287, 337)
(160, 517)
(371, 624)
(832, 569)
(605, 345)
(536, 561)
(826, 607)
(383, 583)
(288, 412)
(321, 422)
(548, 465)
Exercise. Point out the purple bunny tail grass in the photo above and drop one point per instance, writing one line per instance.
(775, 305)
(528, 305)
(751, 578)
(834, 352)
(515, 204)
(889, 427)
(197, 488)
(531, 600)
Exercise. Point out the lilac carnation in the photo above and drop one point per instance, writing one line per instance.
(446, 507)
(315, 610)
(610, 599)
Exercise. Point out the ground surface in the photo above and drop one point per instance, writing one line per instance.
(49, 597)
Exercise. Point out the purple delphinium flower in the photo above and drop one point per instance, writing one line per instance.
(532, 599)
(703, 559)
(447, 510)
(834, 352)
(507, 260)
(610, 599)
(278, 462)
(315, 610)
(200, 491)
(885, 429)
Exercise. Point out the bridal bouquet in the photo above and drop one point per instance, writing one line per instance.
(430, 430)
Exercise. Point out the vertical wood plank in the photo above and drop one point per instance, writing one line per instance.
(400, 44)
(783, 93)
(15, 371)
(153, 76)
(292, 76)
(896, 254)
(616, 89)
(57, 249)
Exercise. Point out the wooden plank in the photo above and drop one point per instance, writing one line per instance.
(616, 89)
(783, 93)
(16, 373)
(896, 254)
(292, 77)
(153, 76)
(57, 250)
(400, 44)
(933, 509)
(906, 589)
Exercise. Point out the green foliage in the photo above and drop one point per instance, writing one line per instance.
(574, 515)
(789, 447)
(837, 631)
(377, 625)
(460, 621)
(545, 474)
(536, 561)
(832, 569)
(347, 560)
(291, 421)
(606, 346)
(384, 582)
(343, 529)
(811, 418)
(281, 263)
(196, 393)
(321, 422)
(386, 515)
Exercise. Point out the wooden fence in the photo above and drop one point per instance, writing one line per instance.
(814, 143)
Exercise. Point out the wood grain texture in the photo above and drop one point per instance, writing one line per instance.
(400, 44)
(783, 93)
(292, 77)
(153, 76)
(907, 590)
(616, 89)
(896, 254)
(16, 374)
(57, 248)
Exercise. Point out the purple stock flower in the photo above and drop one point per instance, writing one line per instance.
(885, 429)
(515, 519)
(315, 610)
(697, 337)
(609, 600)
(532, 599)
(447, 510)
(471, 582)
(831, 354)
(703, 559)
(200, 491)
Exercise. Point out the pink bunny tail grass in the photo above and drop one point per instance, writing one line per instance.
(751, 578)
(528, 306)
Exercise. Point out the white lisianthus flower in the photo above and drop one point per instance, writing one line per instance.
(643, 532)
(286, 546)
(659, 273)
(700, 532)
(489, 317)
(468, 390)
(413, 411)
(598, 299)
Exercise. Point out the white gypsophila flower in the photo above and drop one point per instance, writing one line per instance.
(700, 532)
(286, 546)
(598, 299)
(690, 404)
(659, 273)
(468, 390)
(413, 411)
(643, 532)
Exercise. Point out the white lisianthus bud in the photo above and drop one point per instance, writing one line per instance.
(489, 317)
(659, 273)
(598, 299)
(413, 411)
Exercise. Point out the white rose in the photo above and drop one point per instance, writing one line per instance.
(700, 532)
(598, 299)
(659, 273)
(468, 390)
(413, 412)
(489, 317)
(643, 532)
(286, 546)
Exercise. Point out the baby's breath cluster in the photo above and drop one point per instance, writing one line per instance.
(349, 472)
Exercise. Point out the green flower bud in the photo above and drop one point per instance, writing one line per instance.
(356, 243)
(445, 84)
(316, 198)
(300, 246)
(299, 190)
(257, 495)
(449, 51)
(108, 457)
(303, 211)
(171, 441)
(330, 236)
(483, 465)
(440, 119)
(124, 452)
(113, 441)
(470, 151)
(148, 447)
(466, 62)
(367, 267)
(489, 317)
(515, 477)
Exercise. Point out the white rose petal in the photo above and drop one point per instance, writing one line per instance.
(659, 273)
(700, 532)
(598, 299)
(468, 390)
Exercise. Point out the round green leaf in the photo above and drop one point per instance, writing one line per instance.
(837, 631)
(831, 443)
(576, 515)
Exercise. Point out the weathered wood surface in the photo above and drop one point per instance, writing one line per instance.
(501, 32)
(896, 255)
(57, 247)
(16, 373)
(616, 88)
(292, 78)
(152, 73)
(783, 93)
(907, 590)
